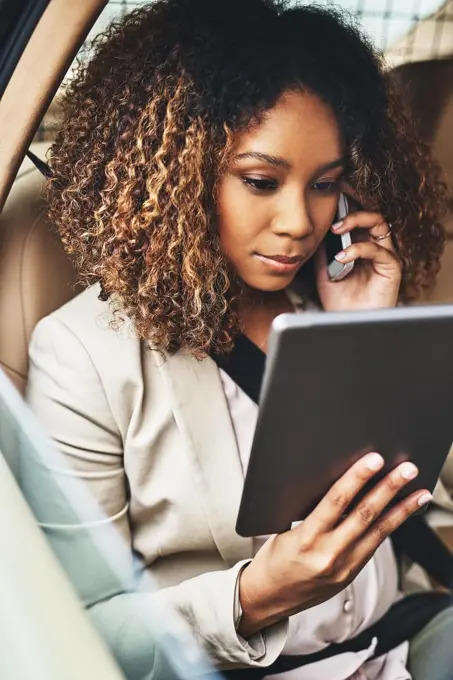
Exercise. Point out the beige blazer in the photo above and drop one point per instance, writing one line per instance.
(153, 440)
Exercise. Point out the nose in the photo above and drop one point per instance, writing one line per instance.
(293, 218)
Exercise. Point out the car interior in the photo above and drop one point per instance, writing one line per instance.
(36, 277)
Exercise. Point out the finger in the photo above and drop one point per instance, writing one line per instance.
(372, 506)
(332, 507)
(390, 522)
(385, 261)
(361, 219)
(372, 221)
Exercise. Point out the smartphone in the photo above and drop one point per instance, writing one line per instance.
(334, 244)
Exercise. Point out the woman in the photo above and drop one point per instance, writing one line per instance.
(199, 167)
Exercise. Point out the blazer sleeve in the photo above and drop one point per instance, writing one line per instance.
(79, 497)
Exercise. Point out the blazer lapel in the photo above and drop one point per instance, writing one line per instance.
(201, 413)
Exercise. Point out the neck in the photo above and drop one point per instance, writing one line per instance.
(258, 310)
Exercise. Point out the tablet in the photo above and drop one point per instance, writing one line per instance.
(336, 386)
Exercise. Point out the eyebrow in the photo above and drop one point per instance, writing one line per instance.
(278, 162)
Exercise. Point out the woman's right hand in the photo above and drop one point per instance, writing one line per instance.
(310, 564)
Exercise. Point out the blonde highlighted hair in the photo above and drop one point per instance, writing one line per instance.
(147, 128)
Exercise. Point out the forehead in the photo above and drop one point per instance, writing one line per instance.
(300, 128)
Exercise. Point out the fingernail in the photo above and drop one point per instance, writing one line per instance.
(426, 498)
(337, 225)
(408, 471)
(374, 461)
(340, 256)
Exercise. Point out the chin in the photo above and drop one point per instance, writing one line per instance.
(269, 284)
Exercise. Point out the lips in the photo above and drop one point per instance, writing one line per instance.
(281, 264)
(285, 259)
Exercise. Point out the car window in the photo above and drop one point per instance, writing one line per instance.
(387, 21)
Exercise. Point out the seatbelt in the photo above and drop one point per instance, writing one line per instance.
(43, 167)
(403, 621)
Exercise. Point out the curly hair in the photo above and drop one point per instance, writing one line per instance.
(148, 124)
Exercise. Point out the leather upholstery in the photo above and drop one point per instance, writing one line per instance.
(35, 275)
(428, 87)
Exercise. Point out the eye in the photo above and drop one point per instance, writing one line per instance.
(326, 185)
(260, 184)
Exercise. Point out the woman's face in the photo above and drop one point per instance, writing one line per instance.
(278, 198)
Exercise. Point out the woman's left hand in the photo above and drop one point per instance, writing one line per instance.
(376, 277)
